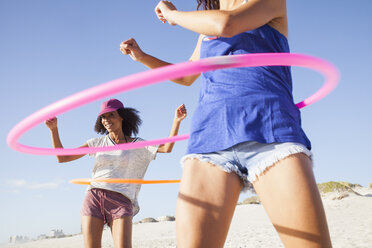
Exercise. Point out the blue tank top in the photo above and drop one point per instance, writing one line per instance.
(245, 104)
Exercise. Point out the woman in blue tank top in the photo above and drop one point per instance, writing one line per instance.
(246, 130)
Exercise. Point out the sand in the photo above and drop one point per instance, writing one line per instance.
(349, 220)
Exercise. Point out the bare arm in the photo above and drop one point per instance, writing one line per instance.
(178, 117)
(227, 23)
(131, 48)
(52, 125)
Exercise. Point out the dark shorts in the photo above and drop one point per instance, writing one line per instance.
(106, 205)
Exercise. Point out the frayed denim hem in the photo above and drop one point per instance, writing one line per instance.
(267, 163)
(227, 167)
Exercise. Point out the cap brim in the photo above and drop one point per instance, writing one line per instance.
(107, 110)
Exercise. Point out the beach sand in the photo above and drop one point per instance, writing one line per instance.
(349, 220)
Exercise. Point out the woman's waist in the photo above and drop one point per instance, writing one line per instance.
(243, 110)
(104, 171)
(247, 98)
(128, 190)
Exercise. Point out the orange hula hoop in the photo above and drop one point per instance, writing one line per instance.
(87, 181)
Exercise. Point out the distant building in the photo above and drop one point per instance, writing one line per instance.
(42, 236)
(18, 239)
(56, 233)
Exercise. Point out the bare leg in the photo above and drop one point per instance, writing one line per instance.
(290, 196)
(92, 231)
(205, 205)
(122, 232)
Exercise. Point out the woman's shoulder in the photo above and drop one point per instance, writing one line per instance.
(98, 141)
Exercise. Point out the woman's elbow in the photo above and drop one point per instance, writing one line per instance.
(165, 149)
(191, 79)
(226, 26)
(227, 32)
(61, 160)
(185, 81)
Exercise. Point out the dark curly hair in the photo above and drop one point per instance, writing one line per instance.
(130, 124)
(208, 4)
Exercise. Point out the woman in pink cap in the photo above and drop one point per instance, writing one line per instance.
(114, 204)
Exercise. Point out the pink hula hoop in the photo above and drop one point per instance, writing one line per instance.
(150, 77)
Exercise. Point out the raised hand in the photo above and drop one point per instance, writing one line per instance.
(162, 10)
(130, 47)
(181, 113)
(51, 123)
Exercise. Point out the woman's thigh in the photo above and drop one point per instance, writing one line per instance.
(206, 203)
(92, 228)
(290, 196)
(122, 232)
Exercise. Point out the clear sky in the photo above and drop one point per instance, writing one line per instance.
(52, 49)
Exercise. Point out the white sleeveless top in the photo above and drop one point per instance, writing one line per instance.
(129, 164)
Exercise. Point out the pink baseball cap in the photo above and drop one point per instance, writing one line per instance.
(110, 105)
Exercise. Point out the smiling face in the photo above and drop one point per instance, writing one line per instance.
(112, 121)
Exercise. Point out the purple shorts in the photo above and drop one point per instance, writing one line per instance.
(106, 205)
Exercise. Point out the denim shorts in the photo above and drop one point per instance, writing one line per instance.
(250, 159)
(106, 205)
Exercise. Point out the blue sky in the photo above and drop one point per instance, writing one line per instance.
(52, 49)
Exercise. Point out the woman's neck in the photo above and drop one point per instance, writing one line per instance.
(118, 137)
